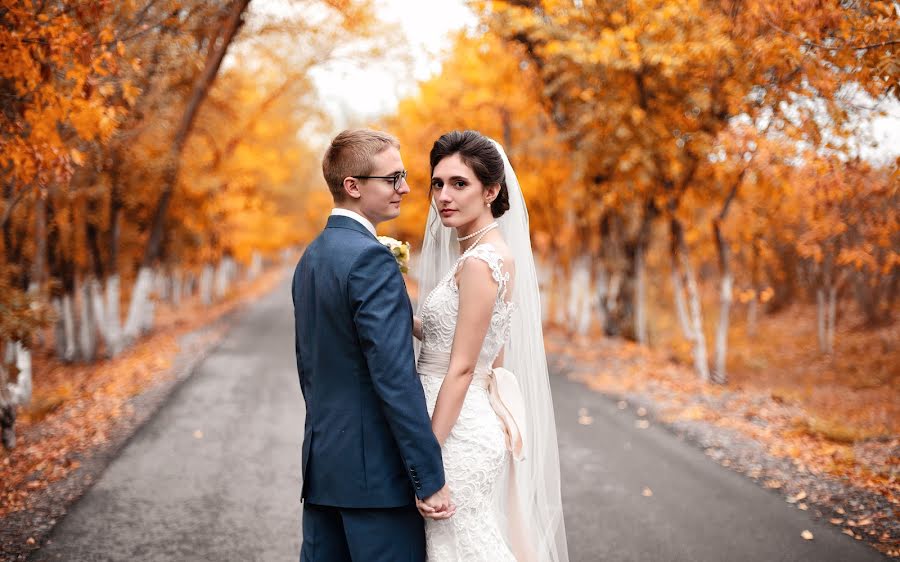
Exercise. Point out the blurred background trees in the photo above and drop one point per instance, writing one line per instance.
(719, 144)
(151, 150)
(704, 160)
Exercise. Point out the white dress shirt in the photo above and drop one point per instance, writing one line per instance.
(355, 216)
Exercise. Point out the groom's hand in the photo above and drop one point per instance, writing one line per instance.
(437, 505)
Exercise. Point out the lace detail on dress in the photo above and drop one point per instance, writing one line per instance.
(441, 309)
(474, 453)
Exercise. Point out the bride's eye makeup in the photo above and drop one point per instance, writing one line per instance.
(457, 183)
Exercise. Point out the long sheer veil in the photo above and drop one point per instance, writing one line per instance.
(537, 476)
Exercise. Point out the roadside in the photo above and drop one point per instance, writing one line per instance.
(82, 415)
(763, 435)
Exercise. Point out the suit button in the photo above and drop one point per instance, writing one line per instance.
(418, 486)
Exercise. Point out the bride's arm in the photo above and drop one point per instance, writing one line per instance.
(417, 328)
(477, 293)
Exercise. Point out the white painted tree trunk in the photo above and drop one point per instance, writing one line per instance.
(113, 318)
(162, 285)
(177, 284)
(21, 392)
(255, 265)
(190, 285)
(95, 294)
(13, 393)
(680, 304)
(701, 357)
(59, 330)
(640, 298)
(87, 328)
(720, 373)
(223, 278)
(70, 352)
(601, 292)
(206, 282)
(579, 312)
(138, 307)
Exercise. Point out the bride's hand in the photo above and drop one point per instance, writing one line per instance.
(437, 506)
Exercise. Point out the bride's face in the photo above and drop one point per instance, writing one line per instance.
(457, 193)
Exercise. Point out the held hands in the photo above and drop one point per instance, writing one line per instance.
(437, 505)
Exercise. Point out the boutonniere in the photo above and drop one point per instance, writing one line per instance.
(399, 249)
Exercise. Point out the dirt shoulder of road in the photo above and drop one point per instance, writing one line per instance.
(764, 435)
(82, 415)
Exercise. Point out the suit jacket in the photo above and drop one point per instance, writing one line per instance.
(368, 441)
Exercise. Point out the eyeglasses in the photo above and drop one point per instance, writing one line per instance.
(397, 178)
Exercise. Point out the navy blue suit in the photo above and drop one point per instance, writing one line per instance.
(367, 445)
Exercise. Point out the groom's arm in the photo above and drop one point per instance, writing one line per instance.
(384, 324)
(294, 289)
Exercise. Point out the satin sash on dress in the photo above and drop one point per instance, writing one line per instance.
(503, 393)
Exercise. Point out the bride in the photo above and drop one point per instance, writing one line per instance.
(480, 313)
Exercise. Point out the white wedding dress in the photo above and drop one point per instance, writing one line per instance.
(475, 453)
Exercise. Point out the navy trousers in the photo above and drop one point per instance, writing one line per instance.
(337, 534)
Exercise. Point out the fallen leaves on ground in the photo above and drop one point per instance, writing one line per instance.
(75, 406)
(778, 412)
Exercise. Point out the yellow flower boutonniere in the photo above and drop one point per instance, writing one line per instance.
(399, 249)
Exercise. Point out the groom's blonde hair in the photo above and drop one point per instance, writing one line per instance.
(351, 154)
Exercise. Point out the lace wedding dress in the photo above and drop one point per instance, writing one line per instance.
(474, 453)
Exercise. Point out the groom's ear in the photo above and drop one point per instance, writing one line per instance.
(351, 187)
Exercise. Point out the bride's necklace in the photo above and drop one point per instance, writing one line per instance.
(477, 232)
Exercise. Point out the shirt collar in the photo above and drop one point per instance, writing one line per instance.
(357, 217)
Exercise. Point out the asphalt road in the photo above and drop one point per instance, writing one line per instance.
(215, 477)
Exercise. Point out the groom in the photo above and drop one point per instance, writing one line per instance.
(368, 449)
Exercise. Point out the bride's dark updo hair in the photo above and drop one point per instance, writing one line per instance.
(479, 153)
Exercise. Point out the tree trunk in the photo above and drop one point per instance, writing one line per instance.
(59, 331)
(70, 352)
(753, 305)
(206, 282)
(640, 298)
(7, 408)
(139, 310)
(175, 290)
(87, 328)
(40, 237)
(214, 56)
(18, 357)
(580, 296)
(680, 304)
(726, 282)
(602, 291)
(222, 278)
(113, 318)
(135, 324)
(701, 358)
(255, 265)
